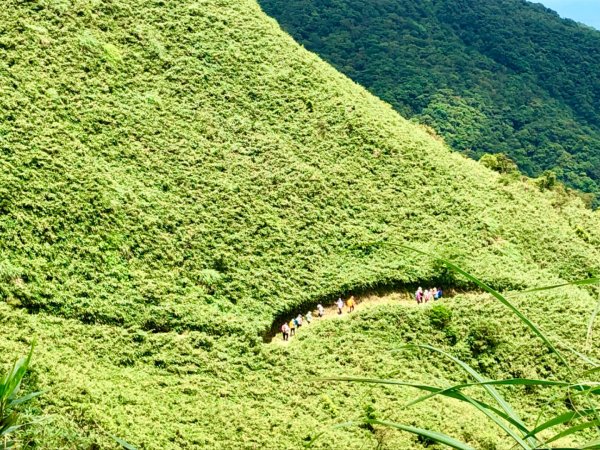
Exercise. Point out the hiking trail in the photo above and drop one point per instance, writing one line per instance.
(404, 298)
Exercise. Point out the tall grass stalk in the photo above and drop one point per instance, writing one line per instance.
(500, 412)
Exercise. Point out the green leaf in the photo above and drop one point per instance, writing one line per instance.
(572, 430)
(492, 413)
(591, 371)
(559, 420)
(126, 445)
(514, 382)
(585, 282)
(26, 398)
(585, 358)
(590, 327)
(498, 296)
(490, 389)
(593, 444)
(433, 435)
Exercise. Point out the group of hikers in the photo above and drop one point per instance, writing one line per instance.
(289, 328)
(427, 295)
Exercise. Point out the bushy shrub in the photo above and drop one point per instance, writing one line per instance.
(484, 338)
(547, 180)
(440, 316)
(498, 162)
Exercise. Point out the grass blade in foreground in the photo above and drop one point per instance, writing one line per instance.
(335, 427)
(498, 296)
(573, 430)
(433, 435)
(585, 282)
(504, 405)
(509, 305)
(559, 420)
(490, 411)
(480, 379)
(590, 329)
(126, 445)
(590, 445)
(529, 439)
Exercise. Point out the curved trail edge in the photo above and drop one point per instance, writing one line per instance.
(399, 298)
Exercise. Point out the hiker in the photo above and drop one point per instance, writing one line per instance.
(438, 294)
(285, 329)
(292, 326)
(299, 320)
(419, 295)
(340, 305)
(309, 317)
(426, 295)
(434, 293)
(321, 310)
(350, 303)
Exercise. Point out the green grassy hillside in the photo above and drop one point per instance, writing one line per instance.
(489, 76)
(176, 175)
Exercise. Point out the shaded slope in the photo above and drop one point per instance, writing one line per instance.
(489, 76)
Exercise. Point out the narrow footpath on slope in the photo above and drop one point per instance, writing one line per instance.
(405, 299)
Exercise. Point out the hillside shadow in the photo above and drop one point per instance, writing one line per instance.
(360, 293)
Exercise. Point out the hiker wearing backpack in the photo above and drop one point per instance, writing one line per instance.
(309, 317)
(292, 326)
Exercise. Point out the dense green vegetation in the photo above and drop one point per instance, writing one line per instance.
(175, 175)
(195, 391)
(488, 76)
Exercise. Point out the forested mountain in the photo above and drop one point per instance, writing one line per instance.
(490, 76)
(176, 177)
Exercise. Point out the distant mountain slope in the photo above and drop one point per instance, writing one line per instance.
(490, 76)
(176, 175)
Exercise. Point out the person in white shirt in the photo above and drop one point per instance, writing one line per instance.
(321, 310)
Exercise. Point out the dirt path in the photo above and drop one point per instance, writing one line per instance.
(331, 313)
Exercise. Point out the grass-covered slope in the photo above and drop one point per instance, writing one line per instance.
(196, 169)
(489, 76)
(188, 169)
(171, 391)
